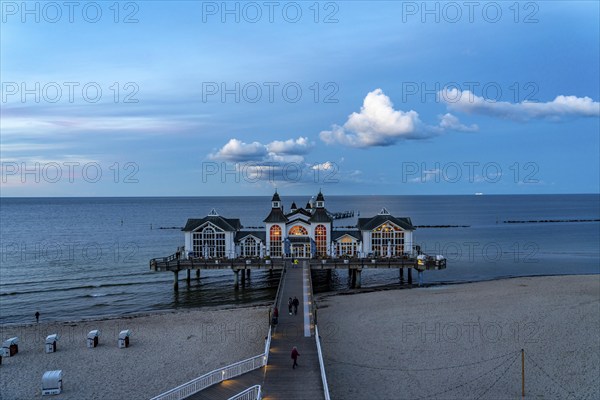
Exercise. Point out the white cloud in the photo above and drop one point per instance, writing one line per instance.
(293, 147)
(379, 124)
(451, 122)
(288, 151)
(561, 106)
(236, 150)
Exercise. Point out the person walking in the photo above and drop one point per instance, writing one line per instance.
(295, 303)
(290, 304)
(275, 316)
(295, 355)
(37, 317)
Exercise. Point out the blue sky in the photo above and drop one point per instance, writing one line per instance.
(359, 98)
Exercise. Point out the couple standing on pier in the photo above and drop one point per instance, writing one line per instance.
(293, 304)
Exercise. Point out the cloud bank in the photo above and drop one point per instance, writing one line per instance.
(561, 106)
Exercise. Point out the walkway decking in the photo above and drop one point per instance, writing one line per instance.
(278, 379)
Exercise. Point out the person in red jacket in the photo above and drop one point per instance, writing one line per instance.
(295, 355)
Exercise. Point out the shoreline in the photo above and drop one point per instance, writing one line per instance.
(262, 303)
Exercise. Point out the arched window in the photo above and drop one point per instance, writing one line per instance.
(321, 240)
(249, 247)
(346, 247)
(209, 243)
(387, 236)
(298, 230)
(275, 239)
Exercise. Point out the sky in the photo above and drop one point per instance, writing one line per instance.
(157, 98)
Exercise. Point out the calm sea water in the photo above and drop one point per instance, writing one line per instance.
(73, 258)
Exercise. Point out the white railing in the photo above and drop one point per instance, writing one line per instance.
(252, 393)
(322, 364)
(218, 375)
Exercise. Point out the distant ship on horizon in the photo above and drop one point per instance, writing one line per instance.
(478, 194)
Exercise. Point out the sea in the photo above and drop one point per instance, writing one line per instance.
(82, 258)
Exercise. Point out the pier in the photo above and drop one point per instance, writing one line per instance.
(242, 267)
(270, 375)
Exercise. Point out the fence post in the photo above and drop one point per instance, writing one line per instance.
(522, 373)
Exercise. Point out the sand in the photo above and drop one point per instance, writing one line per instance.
(166, 350)
(445, 342)
(440, 342)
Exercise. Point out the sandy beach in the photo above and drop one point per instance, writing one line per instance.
(166, 350)
(464, 341)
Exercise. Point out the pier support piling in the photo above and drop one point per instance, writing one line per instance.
(410, 276)
(188, 276)
(248, 273)
(198, 274)
(236, 279)
(353, 278)
(358, 273)
(176, 281)
(243, 278)
(401, 275)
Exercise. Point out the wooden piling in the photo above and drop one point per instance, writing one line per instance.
(176, 281)
(410, 276)
(236, 279)
(401, 274)
(358, 273)
(198, 273)
(188, 276)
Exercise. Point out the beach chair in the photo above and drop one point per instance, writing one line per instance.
(52, 382)
(124, 338)
(10, 347)
(92, 338)
(51, 343)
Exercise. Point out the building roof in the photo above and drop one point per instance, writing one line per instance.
(276, 215)
(298, 211)
(227, 224)
(335, 235)
(320, 215)
(320, 197)
(276, 197)
(368, 224)
(242, 234)
(293, 207)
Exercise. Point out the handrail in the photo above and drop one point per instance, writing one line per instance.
(322, 364)
(218, 375)
(252, 393)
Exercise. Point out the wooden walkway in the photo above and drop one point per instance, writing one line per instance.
(278, 379)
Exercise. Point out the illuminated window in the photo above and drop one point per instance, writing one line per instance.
(346, 247)
(275, 236)
(321, 240)
(298, 230)
(387, 235)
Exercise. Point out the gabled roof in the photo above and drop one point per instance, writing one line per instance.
(242, 234)
(276, 215)
(335, 235)
(227, 224)
(320, 215)
(298, 211)
(276, 197)
(368, 224)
